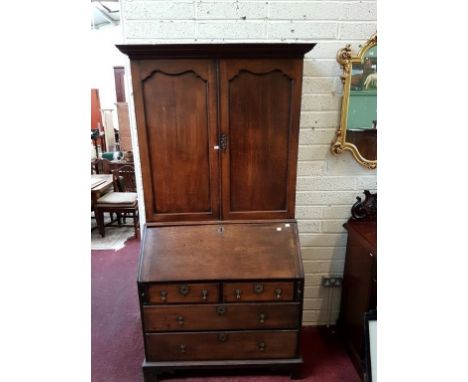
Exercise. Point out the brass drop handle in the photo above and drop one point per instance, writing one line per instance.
(238, 294)
(261, 345)
(222, 337)
(182, 348)
(261, 318)
(180, 320)
(163, 295)
(278, 292)
(204, 294)
(220, 310)
(184, 290)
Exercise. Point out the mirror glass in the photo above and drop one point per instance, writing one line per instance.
(361, 127)
(358, 121)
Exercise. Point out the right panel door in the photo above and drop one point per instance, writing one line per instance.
(260, 110)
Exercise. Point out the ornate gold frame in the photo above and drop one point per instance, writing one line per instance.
(346, 60)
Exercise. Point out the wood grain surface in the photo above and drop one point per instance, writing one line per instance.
(221, 252)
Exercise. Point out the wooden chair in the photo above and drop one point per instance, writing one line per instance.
(124, 178)
(122, 201)
(103, 166)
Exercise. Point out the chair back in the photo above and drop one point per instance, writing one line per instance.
(103, 166)
(124, 179)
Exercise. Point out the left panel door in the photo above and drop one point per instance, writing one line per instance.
(176, 112)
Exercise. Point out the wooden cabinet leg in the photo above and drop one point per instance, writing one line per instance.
(150, 375)
(296, 372)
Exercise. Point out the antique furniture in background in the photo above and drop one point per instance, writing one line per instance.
(358, 123)
(220, 278)
(124, 178)
(102, 165)
(100, 185)
(359, 291)
(105, 166)
(123, 201)
(127, 181)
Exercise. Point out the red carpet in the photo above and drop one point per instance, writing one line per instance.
(116, 339)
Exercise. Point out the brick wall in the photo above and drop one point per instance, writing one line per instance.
(327, 185)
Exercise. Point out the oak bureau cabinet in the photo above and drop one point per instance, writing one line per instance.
(220, 277)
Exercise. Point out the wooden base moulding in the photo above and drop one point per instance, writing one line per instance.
(152, 371)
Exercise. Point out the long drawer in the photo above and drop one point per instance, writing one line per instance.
(221, 317)
(221, 345)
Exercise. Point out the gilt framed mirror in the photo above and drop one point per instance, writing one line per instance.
(358, 123)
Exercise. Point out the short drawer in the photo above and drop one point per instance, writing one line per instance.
(221, 345)
(258, 291)
(221, 317)
(181, 293)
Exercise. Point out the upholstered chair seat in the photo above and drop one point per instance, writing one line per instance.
(122, 199)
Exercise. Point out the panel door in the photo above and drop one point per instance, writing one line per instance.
(260, 106)
(176, 111)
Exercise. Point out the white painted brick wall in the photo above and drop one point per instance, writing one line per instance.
(327, 185)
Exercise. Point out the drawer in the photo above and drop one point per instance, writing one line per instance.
(258, 291)
(221, 317)
(181, 293)
(221, 345)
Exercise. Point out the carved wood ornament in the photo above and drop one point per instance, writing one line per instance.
(365, 210)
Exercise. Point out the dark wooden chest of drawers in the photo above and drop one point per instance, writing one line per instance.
(359, 294)
(221, 294)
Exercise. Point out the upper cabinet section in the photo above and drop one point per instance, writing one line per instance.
(217, 129)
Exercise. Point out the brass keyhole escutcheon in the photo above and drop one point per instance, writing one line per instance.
(163, 295)
(223, 141)
(278, 292)
(258, 288)
(222, 337)
(180, 320)
(261, 345)
(220, 310)
(204, 294)
(184, 290)
(182, 348)
(238, 294)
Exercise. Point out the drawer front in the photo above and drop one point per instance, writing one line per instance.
(221, 345)
(221, 317)
(258, 291)
(181, 293)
